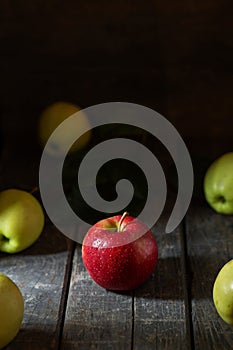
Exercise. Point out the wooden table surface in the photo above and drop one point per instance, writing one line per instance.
(65, 309)
(175, 57)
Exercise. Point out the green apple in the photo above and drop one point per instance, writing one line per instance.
(12, 310)
(223, 292)
(21, 220)
(51, 117)
(218, 184)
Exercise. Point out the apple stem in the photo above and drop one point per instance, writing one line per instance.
(119, 228)
(34, 189)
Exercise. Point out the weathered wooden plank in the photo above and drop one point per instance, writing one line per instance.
(39, 272)
(210, 246)
(188, 53)
(95, 318)
(161, 319)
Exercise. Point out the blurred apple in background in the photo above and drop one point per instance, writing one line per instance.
(120, 252)
(52, 117)
(11, 310)
(218, 184)
(21, 220)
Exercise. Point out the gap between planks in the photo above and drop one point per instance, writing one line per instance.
(71, 245)
(187, 283)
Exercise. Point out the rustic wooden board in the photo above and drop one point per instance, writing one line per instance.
(156, 315)
(161, 318)
(95, 318)
(210, 246)
(39, 271)
(175, 58)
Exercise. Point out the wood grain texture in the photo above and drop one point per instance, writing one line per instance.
(160, 315)
(95, 318)
(209, 238)
(175, 57)
(39, 272)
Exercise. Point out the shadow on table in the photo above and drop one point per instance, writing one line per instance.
(164, 283)
(51, 241)
(169, 281)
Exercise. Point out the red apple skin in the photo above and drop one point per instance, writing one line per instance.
(119, 260)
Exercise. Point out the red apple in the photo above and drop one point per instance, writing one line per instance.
(120, 252)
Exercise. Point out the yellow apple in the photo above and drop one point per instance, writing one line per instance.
(52, 117)
(21, 220)
(11, 310)
(223, 292)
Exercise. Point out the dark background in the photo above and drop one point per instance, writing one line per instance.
(173, 56)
